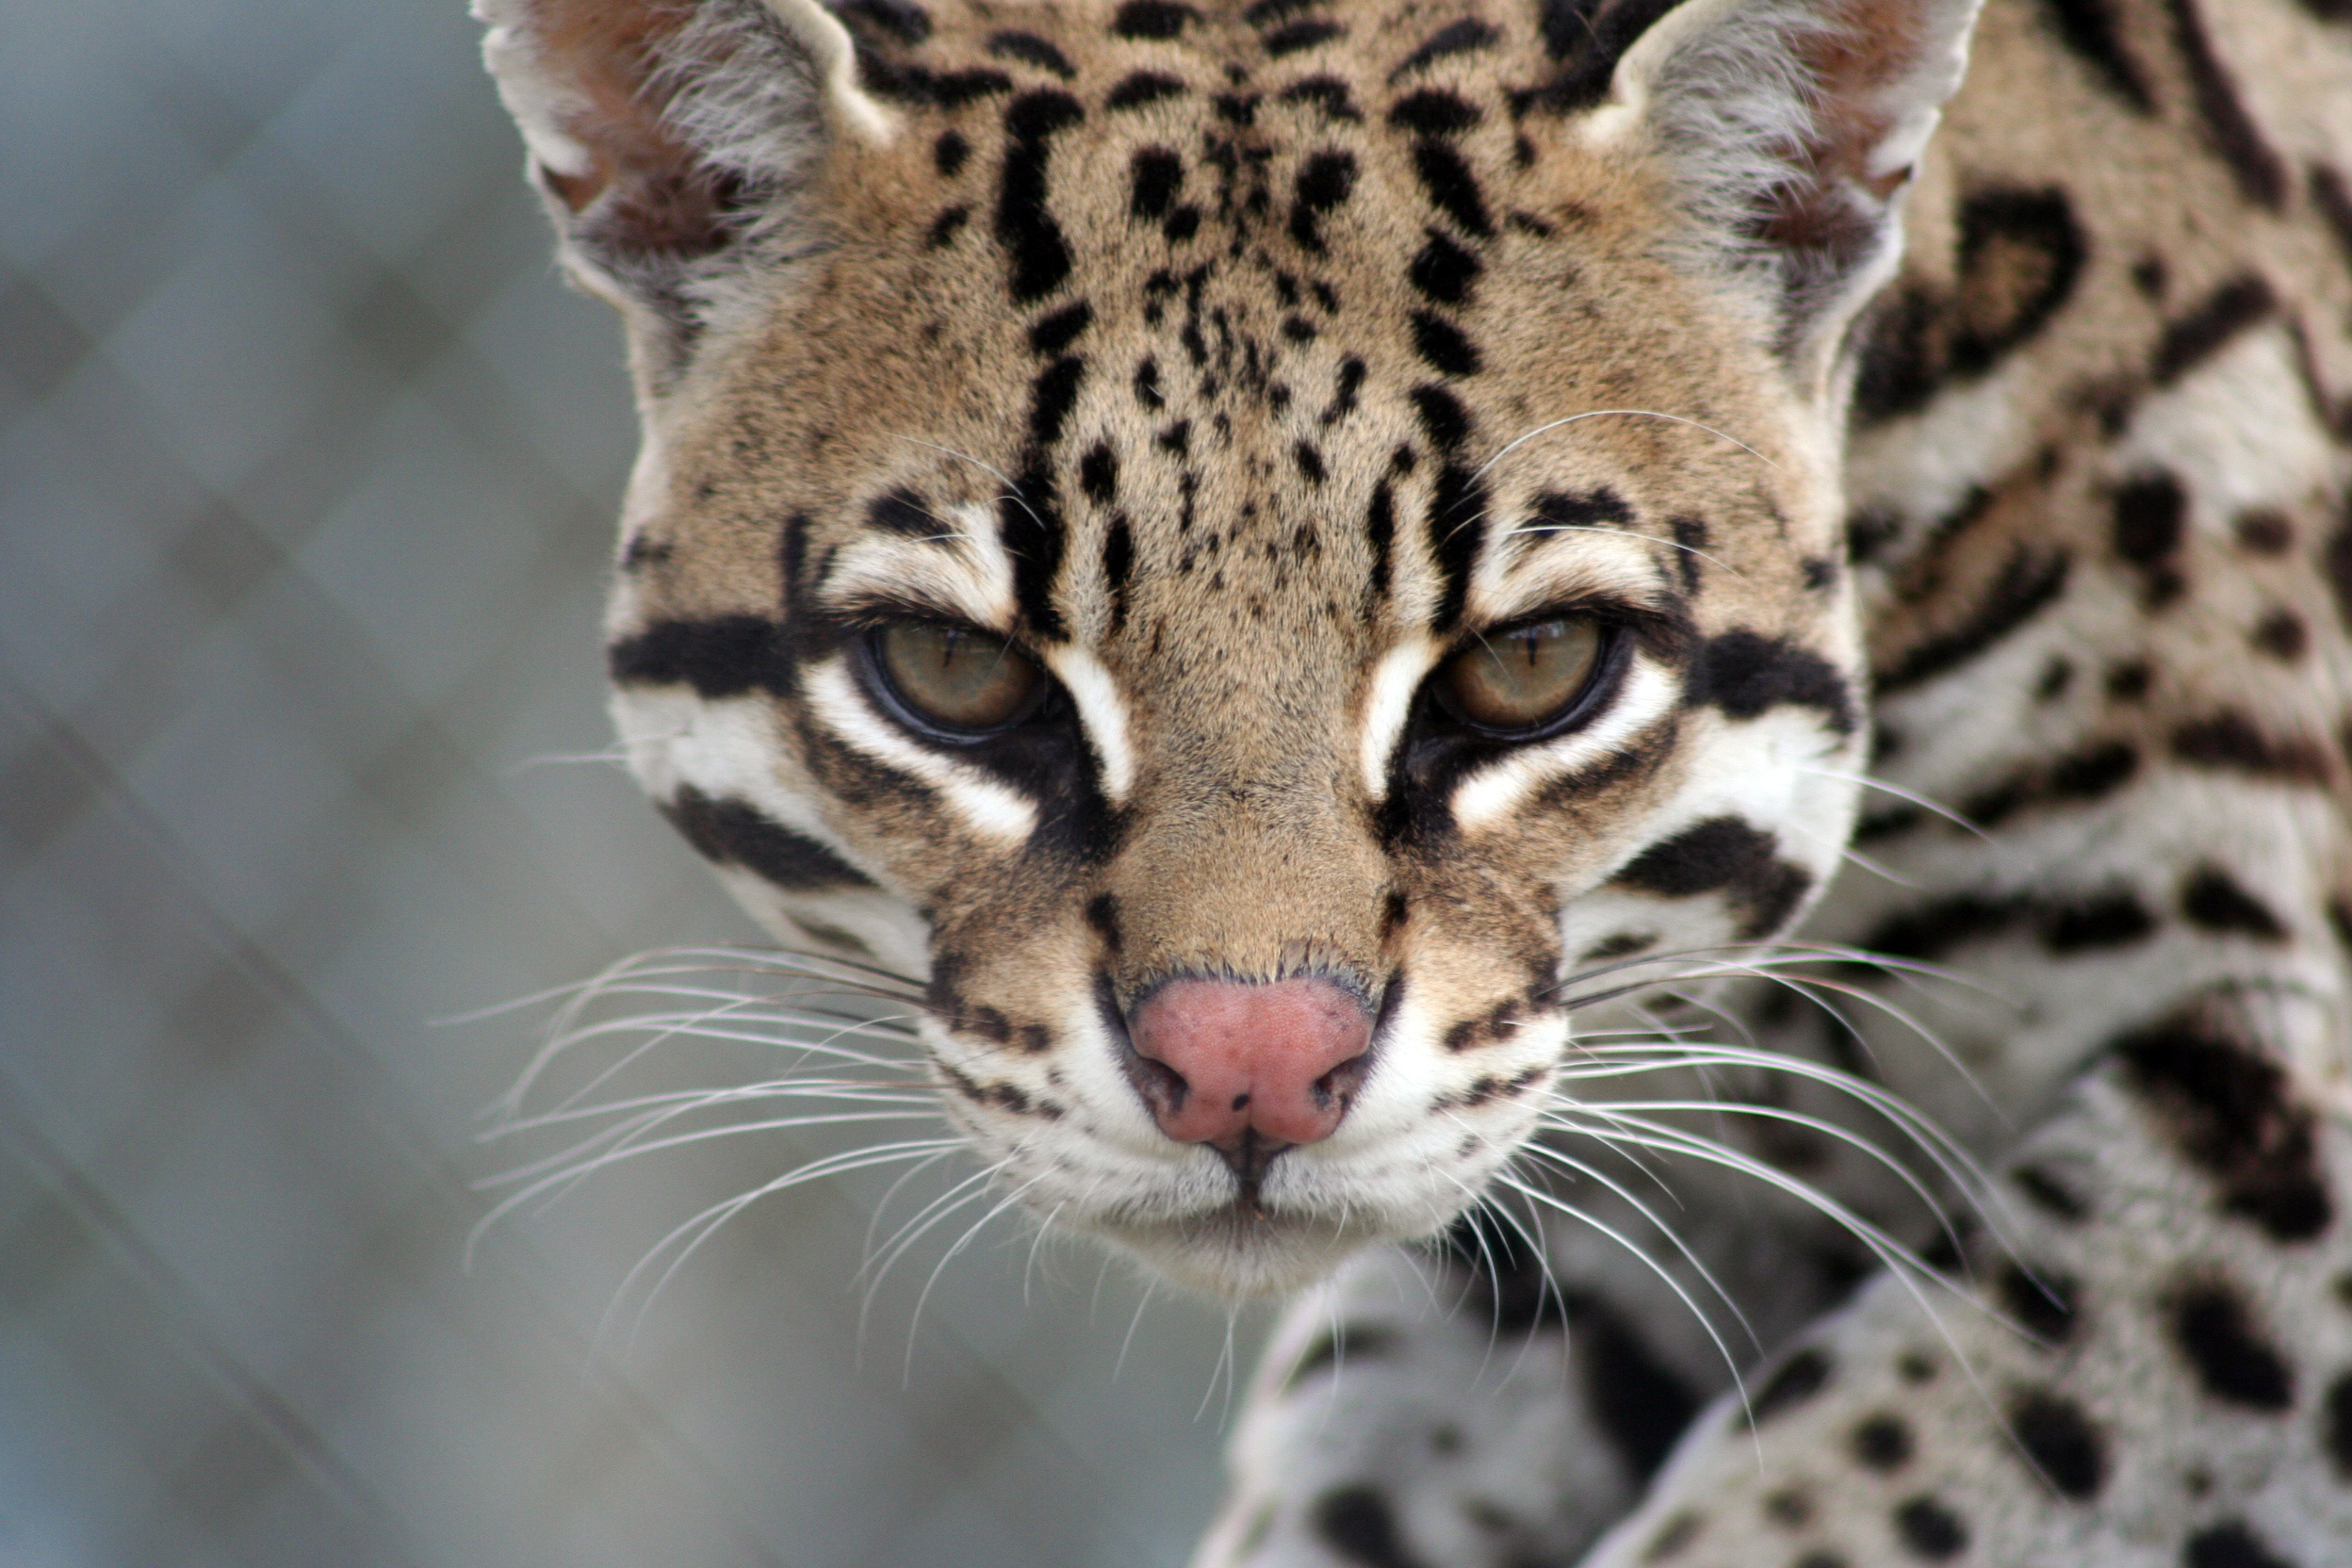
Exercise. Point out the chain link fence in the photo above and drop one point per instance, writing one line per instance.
(307, 469)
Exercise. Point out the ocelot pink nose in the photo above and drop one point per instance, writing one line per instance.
(1281, 1058)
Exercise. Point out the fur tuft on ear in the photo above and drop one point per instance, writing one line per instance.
(669, 139)
(1790, 129)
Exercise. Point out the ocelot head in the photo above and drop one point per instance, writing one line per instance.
(1243, 549)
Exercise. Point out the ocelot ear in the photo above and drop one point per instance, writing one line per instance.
(669, 141)
(1788, 129)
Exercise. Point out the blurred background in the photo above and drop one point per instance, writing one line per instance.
(307, 469)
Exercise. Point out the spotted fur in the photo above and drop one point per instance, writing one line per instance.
(1243, 361)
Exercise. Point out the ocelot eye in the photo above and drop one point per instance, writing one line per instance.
(1524, 677)
(956, 678)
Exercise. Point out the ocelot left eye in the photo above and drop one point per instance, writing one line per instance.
(956, 679)
(1523, 678)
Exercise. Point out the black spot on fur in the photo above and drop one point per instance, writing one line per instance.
(2213, 898)
(1356, 1522)
(1801, 1376)
(2335, 1423)
(1452, 188)
(1052, 396)
(1457, 530)
(1432, 112)
(2019, 254)
(1147, 384)
(2229, 740)
(1883, 1442)
(736, 833)
(2029, 581)
(1030, 522)
(1933, 929)
(2150, 517)
(1024, 223)
(945, 227)
(1325, 181)
(1730, 856)
(2094, 31)
(1097, 474)
(2049, 1195)
(1300, 35)
(1154, 175)
(1587, 38)
(1329, 93)
(1443, 346)
(1745, 674)
(1443, 271)
(1691, 538)
(723, 657)
(2102, 921)
(2061, 1441)
(1929, 1528)
(1051, 334)
(949, 153)
(2041, 1299)
(2262, 177)
(1030, 49)
(1379, 531)
(1119, 564)
(1310, 462)
(1597, 507)
(902, 20)
(2230, 1544)
(1642, 1404)
(1443, 418)
(903, 512)
(1102, 915)
(1147, 19)
(2281, 635)
(2330, 193)
(2216, 1331)
(1455, 37)
(1141, 88)
(1344, 390)
(2231, 309)
(2230, 1112)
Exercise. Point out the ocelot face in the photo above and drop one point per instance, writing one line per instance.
(1243, 574)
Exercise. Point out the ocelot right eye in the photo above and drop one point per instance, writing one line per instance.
(955, 679)
(1523, 679)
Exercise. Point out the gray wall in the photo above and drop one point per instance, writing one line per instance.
(307, 465)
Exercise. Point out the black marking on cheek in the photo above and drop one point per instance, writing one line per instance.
(1819, 574)
(1024, 223)
(1154, 176)
(1050, 335)
(2229, 740)
(1324, 181)
(2094, 31)
(2212, 899)
(1097, 474)
(946, 226)
(1329, 93)
(1443, 418)
(903, 513)
(2029, 581)
(724, 657)
(2242, 302)
(1147, 385)
(1151, 19)
(1452, 188)
(1394, 912)
(1582, 511)
(1030, 521)
(2232, 1544)
(2049, 1195)
(1102, 915)
(1030, 49)
(1051, 398)
(1119, 564)
(1801, 1376)
(1379, 531)
(1357, 1523)
(2042, 1300)
(1744, 674)
(1455, 37)
(1690, 541)
(2102, 920)
(1457, 533)
(1343, 391)
(1299, 36)
(736, 833)
(2215, 1331)
(1443, 271)
(2065, 1448)
(1432, 112)
(1143, 86)
(1310, 462)
(1930, 1530)
(2230, 1112)
(949, 153)
(1443, 346)
(2261, 176)
(1724, 855)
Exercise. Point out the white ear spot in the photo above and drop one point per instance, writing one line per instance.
(830, 47)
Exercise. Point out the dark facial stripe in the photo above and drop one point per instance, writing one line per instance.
(902, 513)
(2231, 309)
(724, 657)
(1455, 37)
(1141, 88)
(2028, 582)
(1457, 533)
(2230, 740)
(1024, 225)
(1119, 564)
(1745, 674)
(736, 833)
(1050, 335)
(1051, 398)
(1443, 418)
(1379, 531)
(1151, 19)
(1443, 271)
(2261, 176)
(2213, 900)
(1030, 520)
(1432, 112)
(1452, 188)
(1729, 855)
(1300, 35)
(1325, 181)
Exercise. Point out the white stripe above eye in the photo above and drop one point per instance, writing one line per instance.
(1102, 712)
(1496, 789)
(1395, 680)
(986, 804)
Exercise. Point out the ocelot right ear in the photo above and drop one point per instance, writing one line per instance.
(669, 141)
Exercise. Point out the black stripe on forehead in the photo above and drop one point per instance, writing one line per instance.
(735, 832)
(1457, 533)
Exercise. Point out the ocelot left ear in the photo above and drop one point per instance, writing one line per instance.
(671, 140)
(1788, 128)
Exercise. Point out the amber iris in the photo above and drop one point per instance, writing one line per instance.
(1523, 677)
(956, 677)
